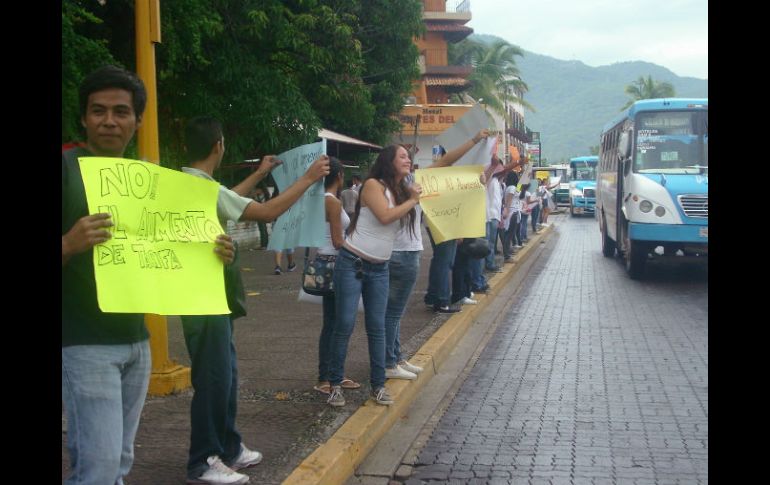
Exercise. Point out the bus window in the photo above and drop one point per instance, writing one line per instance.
(667, 143)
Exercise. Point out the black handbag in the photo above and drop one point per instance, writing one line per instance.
(236, 296)
(475, 248)
(317, 277)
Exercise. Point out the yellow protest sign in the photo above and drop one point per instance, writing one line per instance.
(161, 257)
(454, 201)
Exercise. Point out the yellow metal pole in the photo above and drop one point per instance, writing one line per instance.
(167, 376)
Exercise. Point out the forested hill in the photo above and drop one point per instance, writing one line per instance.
(574, 101)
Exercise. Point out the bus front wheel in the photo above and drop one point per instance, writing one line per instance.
(636, 257)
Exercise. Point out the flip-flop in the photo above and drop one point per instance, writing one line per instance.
(349, 384)
(323, 389)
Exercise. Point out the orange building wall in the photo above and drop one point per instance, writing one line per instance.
(435, 5)
(434, 46)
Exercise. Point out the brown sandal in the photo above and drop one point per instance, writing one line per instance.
(349, 384)
(323, 388)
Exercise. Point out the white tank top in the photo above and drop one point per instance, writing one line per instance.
(371, 239)
(328, 248)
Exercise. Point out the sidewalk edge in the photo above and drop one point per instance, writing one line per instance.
(334, 461)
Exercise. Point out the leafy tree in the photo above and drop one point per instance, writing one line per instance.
(648, 89)
(81, 54)
(273, 71)
(386, 31)
(495, 77)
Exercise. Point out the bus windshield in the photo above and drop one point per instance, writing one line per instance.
(671, 142)
(583, 168)
(584, 172)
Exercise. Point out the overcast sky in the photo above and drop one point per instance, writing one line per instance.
(670, 33)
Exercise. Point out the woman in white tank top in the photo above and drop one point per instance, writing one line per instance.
(337, 222)
(385, 203)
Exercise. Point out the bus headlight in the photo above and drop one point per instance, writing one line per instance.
(660, 211)
(645, 206)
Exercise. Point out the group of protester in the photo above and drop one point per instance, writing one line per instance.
(509, 205)
(376, 245)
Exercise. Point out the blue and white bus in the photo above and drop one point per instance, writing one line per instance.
(582, 188)
(652, 197)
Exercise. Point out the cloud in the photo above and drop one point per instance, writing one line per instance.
(671, 33)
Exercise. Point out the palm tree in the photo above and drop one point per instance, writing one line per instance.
(648, 89)
(495, 77)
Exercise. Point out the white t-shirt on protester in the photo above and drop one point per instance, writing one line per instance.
(328, 248)
(494, 199)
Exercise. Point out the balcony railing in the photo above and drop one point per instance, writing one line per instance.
(460, 6)
(447, 6)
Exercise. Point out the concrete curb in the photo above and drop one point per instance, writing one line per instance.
(336, 460)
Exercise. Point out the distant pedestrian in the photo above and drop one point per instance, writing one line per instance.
(356, 183)
(349, 198)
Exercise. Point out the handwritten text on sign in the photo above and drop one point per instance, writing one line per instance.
(161, 257)
(304, 224)
(454, 201)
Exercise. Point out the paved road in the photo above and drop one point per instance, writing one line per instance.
(592, 378)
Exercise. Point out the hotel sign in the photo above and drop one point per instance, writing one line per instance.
(431, 119)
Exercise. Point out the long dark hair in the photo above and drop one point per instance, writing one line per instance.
(384, 171)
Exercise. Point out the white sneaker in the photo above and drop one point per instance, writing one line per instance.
(414, 369)
(246, 459)
(219, 474)
(468, 301)
(399, 373)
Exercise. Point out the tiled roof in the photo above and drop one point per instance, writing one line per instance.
(447, 27)
(445, 81)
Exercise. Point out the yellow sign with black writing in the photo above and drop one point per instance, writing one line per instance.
(161, 257)
(454, 201)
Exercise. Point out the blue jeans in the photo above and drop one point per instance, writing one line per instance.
(214, 373)
(535, 217)
(373, 286)
(103, 389)
(478, 280)
(403, 269)
(439, 288)
(325, 339)
(489, 261)
(523, 227)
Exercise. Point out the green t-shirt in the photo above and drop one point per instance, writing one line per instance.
(82, 322)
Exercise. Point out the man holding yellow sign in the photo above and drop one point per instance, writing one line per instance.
(105, 356)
